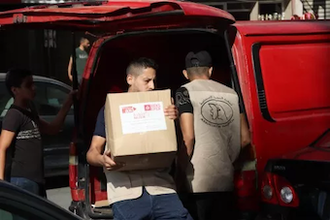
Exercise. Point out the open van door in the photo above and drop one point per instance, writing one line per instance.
(107, 18)
(115, 16)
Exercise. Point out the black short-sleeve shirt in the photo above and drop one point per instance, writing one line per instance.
(26, 152)
(183, 101)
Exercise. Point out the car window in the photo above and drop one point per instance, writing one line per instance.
(6, 215)
(56, 96)
(6, 100)
(50, 99)
(40, 94)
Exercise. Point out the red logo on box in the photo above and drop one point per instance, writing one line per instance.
(128, 109)
(152, 107)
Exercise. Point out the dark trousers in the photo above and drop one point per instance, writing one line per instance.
(211, 205)
(149, 207)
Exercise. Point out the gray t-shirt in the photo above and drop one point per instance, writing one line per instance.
(26, 152)
(81, 59)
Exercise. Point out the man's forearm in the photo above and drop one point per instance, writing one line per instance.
(190, 147)
(70, 77)
(57, 123)
(245, 132)
(70, 69)
(2, 164)
(69, 74)
(185, 154)
(94, 158)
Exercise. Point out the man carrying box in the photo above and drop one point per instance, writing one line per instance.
(143, 194)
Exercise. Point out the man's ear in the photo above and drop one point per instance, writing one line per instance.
(210, 72)
(185, 73)
(129, 79)
(14, 90)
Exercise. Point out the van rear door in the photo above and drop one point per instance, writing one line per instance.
(110, 17)
(283, 68)
(116, 16)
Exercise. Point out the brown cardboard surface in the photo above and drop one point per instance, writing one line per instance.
(126, 125)
(102, 203)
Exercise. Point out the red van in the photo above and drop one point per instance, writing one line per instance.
(280, 69)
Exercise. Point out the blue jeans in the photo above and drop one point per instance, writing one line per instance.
(149, 207)
(28, 185)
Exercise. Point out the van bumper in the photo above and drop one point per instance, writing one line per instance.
(277, 212)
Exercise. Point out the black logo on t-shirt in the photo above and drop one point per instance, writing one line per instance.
(217, 112)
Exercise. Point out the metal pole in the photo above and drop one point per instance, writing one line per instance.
(74, 80)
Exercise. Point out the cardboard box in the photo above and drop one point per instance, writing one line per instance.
(137, 131)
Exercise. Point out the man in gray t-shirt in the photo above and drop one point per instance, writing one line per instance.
(81, 58)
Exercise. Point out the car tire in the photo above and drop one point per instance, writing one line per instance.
(81, 211)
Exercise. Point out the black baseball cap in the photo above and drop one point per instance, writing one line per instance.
(199, 59)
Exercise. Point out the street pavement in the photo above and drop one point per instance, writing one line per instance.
(58, 191)
(60, 196)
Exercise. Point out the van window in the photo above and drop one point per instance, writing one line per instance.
(295, 78)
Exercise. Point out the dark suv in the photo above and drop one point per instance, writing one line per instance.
(50, 96)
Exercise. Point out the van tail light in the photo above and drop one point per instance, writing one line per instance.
(73, 163)
(245, 187)
(76, 193)
(278, 191)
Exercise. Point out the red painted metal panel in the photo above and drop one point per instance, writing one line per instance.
(109, 12)
(78, 195)
(296, 86)
(297, 131)
(265, 28)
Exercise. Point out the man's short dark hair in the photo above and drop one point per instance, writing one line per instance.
(198, 71)
(143, 63)
(15, 77)
(82, 39)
